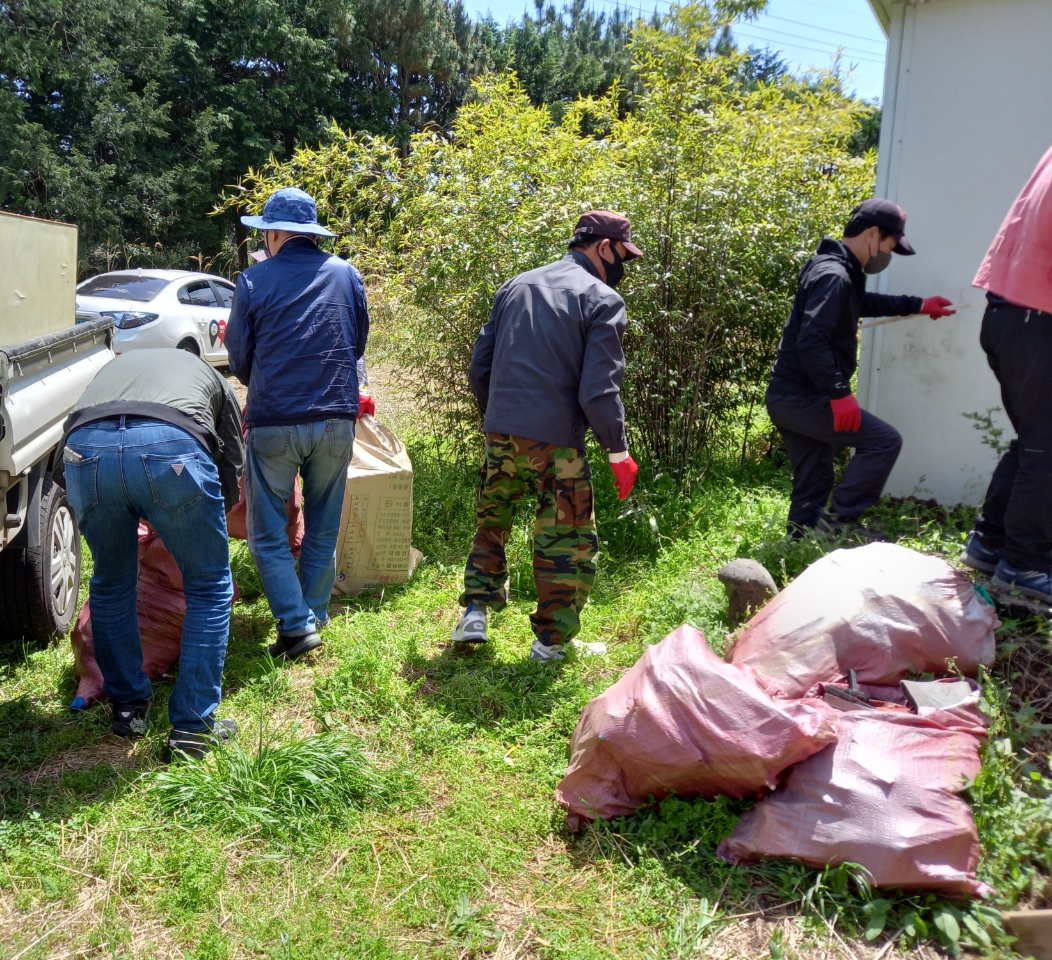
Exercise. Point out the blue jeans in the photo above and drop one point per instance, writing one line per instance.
(320, 453)
(153, 470)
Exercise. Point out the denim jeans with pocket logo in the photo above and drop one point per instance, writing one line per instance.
(128, 469)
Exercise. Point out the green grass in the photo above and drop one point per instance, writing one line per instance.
(390, 797)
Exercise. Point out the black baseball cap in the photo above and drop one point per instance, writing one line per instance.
(888, 216)
(609, 226)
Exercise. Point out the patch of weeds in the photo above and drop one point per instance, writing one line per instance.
(467, 927)
(243, 567)
(366, 685)
(699, 823)
(1012, 802)
(281, 790)
(703, 605)
(692, 931)
(197, 868)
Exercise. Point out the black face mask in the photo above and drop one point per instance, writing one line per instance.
(616, 270)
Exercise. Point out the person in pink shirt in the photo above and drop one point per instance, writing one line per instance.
(1012, 538)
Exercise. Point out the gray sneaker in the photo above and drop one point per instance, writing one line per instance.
(472, 626)
(547, 652)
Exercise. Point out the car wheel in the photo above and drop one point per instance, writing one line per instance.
(190, 346)
(40, 587)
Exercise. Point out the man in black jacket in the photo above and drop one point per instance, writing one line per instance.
(809, 397)
(547, 365)
(157, 436)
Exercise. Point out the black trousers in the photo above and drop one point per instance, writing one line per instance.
(1017, 513)
(806, 426)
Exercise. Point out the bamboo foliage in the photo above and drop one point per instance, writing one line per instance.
(729, 190)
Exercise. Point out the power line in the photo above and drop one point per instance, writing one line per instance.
(803, 46)
(814, 26)
(849, 52)
(797, 36)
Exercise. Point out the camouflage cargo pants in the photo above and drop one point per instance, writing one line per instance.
(565, 544)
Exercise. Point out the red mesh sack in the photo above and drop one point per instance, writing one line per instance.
(882, 610)
(886, 796)
(161, 609)
(682, 720)
(237, 519)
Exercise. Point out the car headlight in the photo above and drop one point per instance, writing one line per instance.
(129, 319)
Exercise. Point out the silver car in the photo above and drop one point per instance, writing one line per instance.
(161, 308)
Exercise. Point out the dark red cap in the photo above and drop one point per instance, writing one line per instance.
(609, 226)
(888, 216)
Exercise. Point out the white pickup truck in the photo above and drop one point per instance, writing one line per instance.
(46, 361)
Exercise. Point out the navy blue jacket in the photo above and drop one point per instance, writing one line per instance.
(818, 353)
(297, 328)
(548, 364)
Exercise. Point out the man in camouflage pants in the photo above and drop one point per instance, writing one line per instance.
(547, 365)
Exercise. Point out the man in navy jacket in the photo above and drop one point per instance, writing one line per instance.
(297, 329)
(809, 397)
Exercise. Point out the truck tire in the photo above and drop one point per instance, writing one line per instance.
(39, 588)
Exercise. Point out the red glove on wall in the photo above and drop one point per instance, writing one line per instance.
(847, 414)
(935, 307)
(625, 474)
(366, 405)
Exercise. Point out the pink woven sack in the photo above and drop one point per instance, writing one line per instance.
(882, 610)
(886, 796)
(682, 720)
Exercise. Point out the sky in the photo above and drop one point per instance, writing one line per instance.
(806, 33)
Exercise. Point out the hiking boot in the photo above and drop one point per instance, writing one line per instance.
(183, 745)
(472, 625)
(1029, 583)
(547, 652)
(129, 719)
(978, 556)
(834, 526)
(292, 648)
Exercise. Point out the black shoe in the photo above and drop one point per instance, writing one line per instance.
(834, 526)
(129, 719)
(979, 556)
(182, 745)
(291, 648)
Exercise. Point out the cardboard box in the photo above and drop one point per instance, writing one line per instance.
(375, 547)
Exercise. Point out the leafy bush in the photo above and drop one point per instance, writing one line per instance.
(729, 187)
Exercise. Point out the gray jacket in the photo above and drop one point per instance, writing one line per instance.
(548, 363)
(178, 388)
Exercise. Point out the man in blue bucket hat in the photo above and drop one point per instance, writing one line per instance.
(297, 329)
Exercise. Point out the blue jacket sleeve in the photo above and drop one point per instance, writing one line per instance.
(240, 337)
(361, 317)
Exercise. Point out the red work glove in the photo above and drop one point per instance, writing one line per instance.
(935, 307)
(366, 405)
(625, 474)
(847, 414)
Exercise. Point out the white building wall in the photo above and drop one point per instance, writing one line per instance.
(968, 113)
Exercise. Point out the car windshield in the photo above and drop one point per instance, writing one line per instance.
(123, 286)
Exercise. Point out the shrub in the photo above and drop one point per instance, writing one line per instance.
(729, 187)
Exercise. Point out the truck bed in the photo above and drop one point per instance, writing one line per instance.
(41, 381)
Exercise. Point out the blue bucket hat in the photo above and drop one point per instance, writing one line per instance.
(289, 209)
